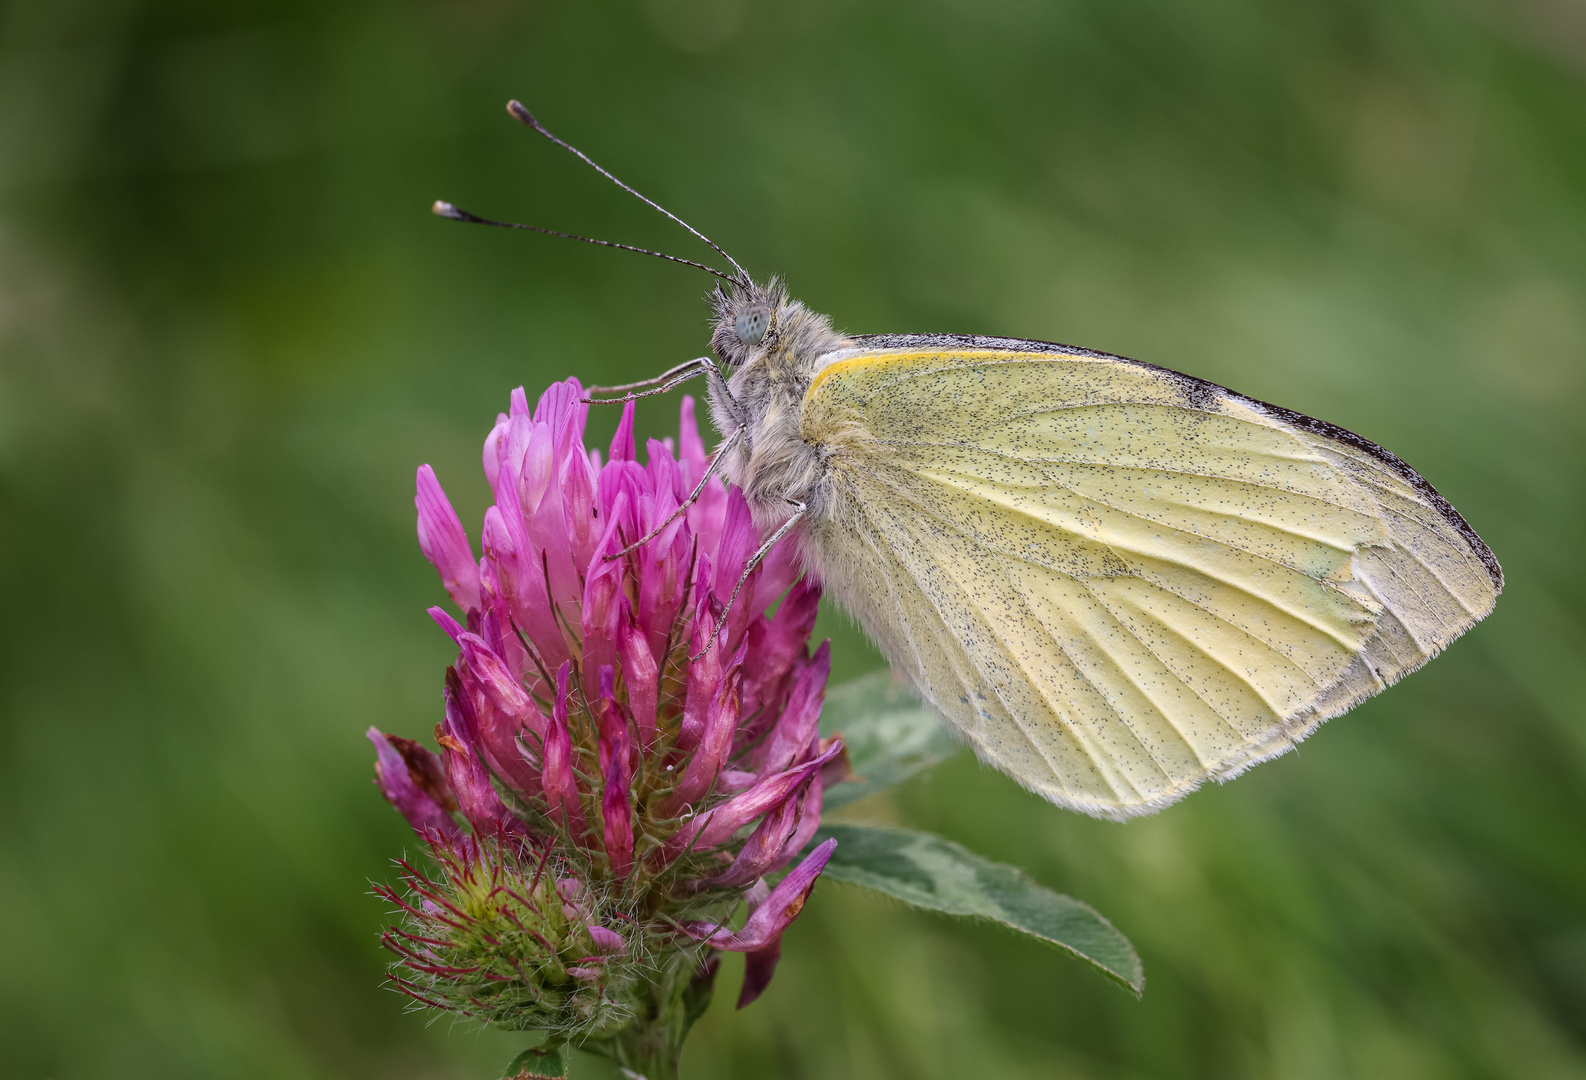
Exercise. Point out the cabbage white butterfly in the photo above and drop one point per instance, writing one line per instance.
(1115, 581)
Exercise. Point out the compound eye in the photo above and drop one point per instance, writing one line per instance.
(751, 325)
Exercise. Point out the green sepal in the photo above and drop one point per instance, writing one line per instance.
(539, 1063)
(889, 733)
(929, 872)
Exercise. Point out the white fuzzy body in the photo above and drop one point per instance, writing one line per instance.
(773, 465)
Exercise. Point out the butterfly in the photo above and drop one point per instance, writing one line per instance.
(1113, 580)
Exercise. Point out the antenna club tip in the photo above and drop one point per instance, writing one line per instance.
(442, 208)
(521, 114)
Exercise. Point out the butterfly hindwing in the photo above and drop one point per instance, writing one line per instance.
(1115, 580)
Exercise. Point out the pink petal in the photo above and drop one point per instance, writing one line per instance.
(617, 769)
(538, 474)
(618, 817)
(466, 770)
(522, 564)
(607, 941)
(492, 675)
(705, 517)
(767, 921)
(693, 455)
(509, 482)
(557, 776)
(809, 820)
(795, 730)
(662, 566)
(584, 527)
(504, 711)
(780, 569)
(739, 540)
(642, 678)
(717, 825)
(444, 620)
(784, 642)
(666, 480)
(733, 781)
(549, 517)
(520, 582)
(780, 837)
(443, 542)
(612, 717)
(603, 599)
(758, 967)
(397, 785)
(718, 725)
(622, 445)
(704, 674)
(495, 447)
(562, 408)
(762, 852)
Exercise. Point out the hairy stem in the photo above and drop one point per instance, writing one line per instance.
(650, 1047)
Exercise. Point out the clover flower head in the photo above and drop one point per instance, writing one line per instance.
(626, 757)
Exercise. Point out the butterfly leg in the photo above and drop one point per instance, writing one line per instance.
(799, 509)
(699, 489)
(687, 365)
(689, 369)
(692, 369)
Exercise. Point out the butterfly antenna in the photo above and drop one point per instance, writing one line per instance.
(455, 213)
(524, 116)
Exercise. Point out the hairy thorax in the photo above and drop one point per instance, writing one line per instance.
(771, 463)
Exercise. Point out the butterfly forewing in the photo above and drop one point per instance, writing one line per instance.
(1116, 580)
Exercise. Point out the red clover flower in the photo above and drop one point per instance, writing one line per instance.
(602, 803)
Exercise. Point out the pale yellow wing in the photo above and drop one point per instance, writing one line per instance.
(1116, 580)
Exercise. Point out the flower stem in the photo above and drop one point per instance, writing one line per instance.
(650, 1047)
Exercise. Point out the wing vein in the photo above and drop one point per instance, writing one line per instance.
(1146, 645)
(1418, 526)
(1079, 735)
(946, 479)
(1040, 688)
(1113, 544)
(1432, 570)
(969, 691)
(1066, 460)
(900, 491)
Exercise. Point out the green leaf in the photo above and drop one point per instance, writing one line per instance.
(890, 735)
(929, 872)
(539, 1063)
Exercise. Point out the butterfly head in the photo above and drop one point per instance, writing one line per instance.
(750, 320)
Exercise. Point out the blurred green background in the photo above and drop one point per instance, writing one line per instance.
(229, 331)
